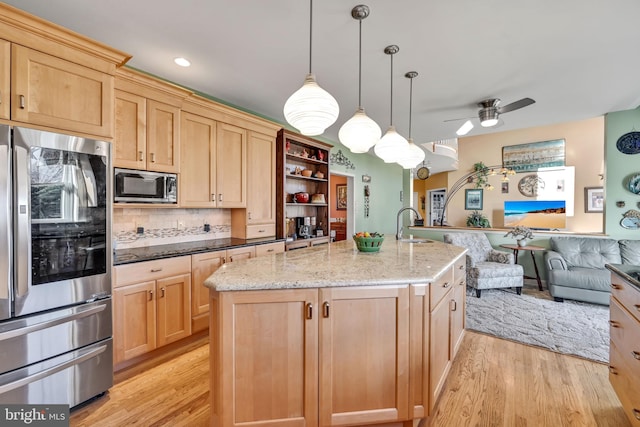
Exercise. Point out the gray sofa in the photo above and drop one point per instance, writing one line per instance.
(576, 266)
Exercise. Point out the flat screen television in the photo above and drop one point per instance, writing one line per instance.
(536, 214)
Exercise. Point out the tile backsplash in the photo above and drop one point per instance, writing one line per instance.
(167, 226)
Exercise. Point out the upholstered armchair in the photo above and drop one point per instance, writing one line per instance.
(487, 268)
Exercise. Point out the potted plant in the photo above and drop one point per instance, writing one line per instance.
(477, 219)
(521, 234)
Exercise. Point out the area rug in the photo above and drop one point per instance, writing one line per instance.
(533, 318)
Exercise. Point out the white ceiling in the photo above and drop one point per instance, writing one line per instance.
(577, 59)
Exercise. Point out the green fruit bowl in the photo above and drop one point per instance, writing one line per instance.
(368, 244)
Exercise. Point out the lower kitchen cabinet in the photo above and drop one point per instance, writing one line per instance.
(152, 305)
(339, 356)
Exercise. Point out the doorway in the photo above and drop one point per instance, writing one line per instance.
(341, 209)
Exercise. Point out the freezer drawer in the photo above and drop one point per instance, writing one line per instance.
(71, 378)
(28, 340)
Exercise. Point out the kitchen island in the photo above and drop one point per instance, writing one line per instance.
(332, 336)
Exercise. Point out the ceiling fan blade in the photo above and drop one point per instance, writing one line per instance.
(516, 105)
(460, 118)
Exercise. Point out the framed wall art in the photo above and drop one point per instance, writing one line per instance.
(341, 197)
(473, 199)
(593, 199)
(533, 156)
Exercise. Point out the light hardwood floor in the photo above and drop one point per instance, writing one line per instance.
(493, 382)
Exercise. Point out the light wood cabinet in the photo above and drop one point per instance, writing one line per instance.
(152, 305)
(259, 219)
(340, 355)
(204, 265)
(364, 355)
(265, 374)
(147, 124)
(53, 78)
(624, 357)
(213, 163)
(270, 249)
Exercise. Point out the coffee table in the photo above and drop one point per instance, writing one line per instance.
(531, 249)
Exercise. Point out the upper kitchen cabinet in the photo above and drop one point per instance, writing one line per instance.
(53, 78)
(217, 144)
(147, 122)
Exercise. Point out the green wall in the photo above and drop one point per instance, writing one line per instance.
(618, 168)
(386, 183)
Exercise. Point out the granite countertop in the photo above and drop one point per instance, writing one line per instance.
(338, 264)
(631, 273)
(149, 253)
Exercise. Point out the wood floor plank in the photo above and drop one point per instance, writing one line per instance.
(492, 383)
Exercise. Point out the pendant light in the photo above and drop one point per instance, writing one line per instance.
(311, 109)
(360, 132)
(413, 155)
(392, 143)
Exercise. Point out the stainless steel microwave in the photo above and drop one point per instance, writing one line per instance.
(136, 186)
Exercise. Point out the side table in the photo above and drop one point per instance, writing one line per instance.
(531, 249)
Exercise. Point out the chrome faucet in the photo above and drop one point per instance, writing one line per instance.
(399, 228)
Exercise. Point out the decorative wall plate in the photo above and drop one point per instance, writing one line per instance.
(629, 143)
(634, 184)
(529, 185)
(630, 223)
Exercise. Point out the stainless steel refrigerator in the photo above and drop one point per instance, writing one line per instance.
(55, 267)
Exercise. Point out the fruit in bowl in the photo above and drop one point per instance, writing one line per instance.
(368, 242)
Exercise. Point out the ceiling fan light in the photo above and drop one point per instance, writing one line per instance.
(360, 132)
(311, 109)
(465, 128)
(391, 145)
(488, 117)
(412, 156)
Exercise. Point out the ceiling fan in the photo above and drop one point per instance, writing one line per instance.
(490, 111)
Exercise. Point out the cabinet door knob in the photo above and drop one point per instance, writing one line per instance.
(150, 295)
(153, 157)
(325, 309)
(612, 370)
(637, 307)
(309, 310)
(454, 305)
(636, 413)
(616, 286)
(269, 250)
(445, 285)
(220, 197)
(22, 102)
(614, 324)
(635, 355)
(156, 270)
(213, 197)
(140, 156)
(162, 293)
(461, 267)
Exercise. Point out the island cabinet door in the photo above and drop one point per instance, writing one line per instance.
(264, 371)
(364, 355)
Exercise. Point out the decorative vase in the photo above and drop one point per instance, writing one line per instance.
(522, 242)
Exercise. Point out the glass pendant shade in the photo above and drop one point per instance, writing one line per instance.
(391, 145)
(311, 109)
(360, 132)
(412, 156)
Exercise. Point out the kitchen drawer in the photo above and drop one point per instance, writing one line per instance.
(460, 270)
(261, 230)
(625, 385)
(439, 288)
(625, 333)
(627, 294)
(269, 248)
(150, 270)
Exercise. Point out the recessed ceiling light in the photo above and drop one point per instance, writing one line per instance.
(183, 62)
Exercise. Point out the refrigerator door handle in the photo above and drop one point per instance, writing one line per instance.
(6, 252)
(79, 314)
(22, 216)
(4, 388)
